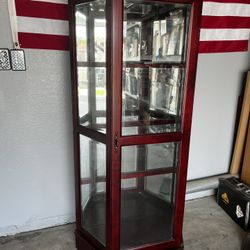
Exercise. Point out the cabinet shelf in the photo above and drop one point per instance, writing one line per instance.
(161, 64)
(130, 175)
(137, 222)
(135, 64)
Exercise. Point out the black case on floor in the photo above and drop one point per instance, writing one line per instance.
(234, 197)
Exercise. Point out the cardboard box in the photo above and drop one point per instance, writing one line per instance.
(234, 197)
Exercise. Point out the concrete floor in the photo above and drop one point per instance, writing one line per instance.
(206, 227)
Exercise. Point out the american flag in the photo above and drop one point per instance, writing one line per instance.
(225, 25)
(43, 24)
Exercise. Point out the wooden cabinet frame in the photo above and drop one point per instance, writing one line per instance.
(113, 137)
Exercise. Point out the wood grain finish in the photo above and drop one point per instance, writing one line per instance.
(242, 131)
(245, 173)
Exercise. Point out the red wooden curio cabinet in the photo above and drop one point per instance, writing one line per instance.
(133, 75)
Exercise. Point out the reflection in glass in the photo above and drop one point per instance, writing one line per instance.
(169, 37)
(100, 38)
(151, 100)
(131, 41)
(165, 89)
(129, 184)
(140, 158)
(93, 187)
(91, 57)
(154, 31)
(96, 102)
(147, 210)
(81, 34)
(148, 193)
(154, 54)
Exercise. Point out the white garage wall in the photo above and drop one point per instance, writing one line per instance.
(36, 148)
(218, 84)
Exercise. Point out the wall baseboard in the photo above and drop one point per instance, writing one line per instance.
(204, 187)
(195, 189)
(200, 194)
(37, 224)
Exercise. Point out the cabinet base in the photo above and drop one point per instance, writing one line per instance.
(83, 244)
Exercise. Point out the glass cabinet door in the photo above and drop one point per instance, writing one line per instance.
(154, 57)
(153, 76)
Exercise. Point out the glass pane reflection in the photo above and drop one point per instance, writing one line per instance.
(140, 158)
(151, 100)
(93, 187)
(154, 31)
(154, 54)
(147, 210)
(91, 57)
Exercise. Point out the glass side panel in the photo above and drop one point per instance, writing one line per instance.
(91, 58)
(95, 120)
(154, 57)
(93, 187)
(149, 157)
(147, 210)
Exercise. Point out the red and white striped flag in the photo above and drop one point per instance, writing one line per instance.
(225, 25)
(43, 24)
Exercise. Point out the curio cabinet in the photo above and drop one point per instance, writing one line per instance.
(133, 73)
